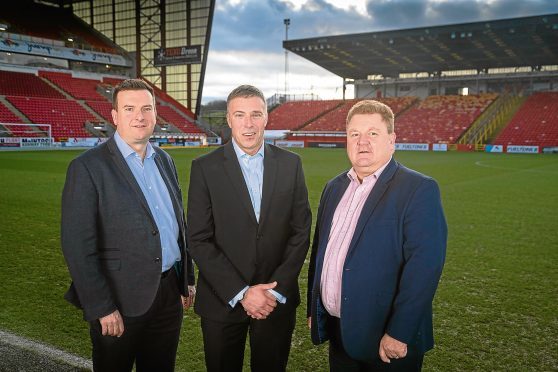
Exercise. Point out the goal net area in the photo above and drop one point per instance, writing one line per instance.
(25, 135)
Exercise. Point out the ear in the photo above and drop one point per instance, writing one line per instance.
(114, 116)
(228, 120)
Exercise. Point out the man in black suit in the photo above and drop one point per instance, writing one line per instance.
(248, 231)
(124, 240)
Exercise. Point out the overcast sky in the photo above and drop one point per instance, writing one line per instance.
(247, 35)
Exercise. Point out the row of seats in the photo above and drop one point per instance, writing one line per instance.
(294, 114)
(24, 84)
(335, 120)
(76, 87)
(27, 85)
(441, 118)
(67, 117)
(168, 115)
(535, 123)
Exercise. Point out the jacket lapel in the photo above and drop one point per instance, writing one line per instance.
(337, 192)
(372, 201)
(270, 170)
(233, 171)
(171, 187)
(127, 174)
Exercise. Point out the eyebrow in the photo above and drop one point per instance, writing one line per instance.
(126, 106)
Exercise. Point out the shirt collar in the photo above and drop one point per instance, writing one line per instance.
(353, 176)
(240, 154)
(126, 150)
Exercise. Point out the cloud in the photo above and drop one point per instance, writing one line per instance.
(247, 35)
(400, 14)
(266, 71)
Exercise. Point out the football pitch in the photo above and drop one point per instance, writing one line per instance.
(496, 308)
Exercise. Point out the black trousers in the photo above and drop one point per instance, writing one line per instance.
(270, 343)
(340, 361)
(150, 340)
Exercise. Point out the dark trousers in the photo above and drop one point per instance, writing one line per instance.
(340, 361)
(270, 343)
(150, 340)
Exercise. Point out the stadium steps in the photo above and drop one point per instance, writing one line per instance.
(24, 119)
(506, 116)
(89, 126)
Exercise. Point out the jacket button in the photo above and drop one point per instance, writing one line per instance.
(157, 259)
(154, 232)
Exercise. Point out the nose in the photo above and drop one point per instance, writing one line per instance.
(139, 115)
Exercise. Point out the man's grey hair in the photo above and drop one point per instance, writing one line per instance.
(246, 91)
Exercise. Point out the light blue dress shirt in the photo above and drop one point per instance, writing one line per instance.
(252, 167)
(158, 198)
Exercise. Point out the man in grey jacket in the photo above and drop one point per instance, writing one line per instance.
(123, 238)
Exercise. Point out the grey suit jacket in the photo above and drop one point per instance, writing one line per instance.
(109, 237)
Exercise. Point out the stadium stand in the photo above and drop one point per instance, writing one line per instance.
(103, 108)
(76, 87)
(174, 118)
(536, 122)
(295, 114)
(335, 120)
(440, 119)
(67, 117)
(25, 84)
(54, 25)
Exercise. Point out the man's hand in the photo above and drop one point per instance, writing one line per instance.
(189, 301)
(258, 302)
(112, 324)
(390, 348)
(309, 322)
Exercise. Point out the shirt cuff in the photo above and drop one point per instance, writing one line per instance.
(238, 297)
(282, 299)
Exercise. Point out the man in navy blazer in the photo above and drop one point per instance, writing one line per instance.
(377, 254)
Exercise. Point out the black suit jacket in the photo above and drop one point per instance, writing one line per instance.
(109, 237)
(231, 249)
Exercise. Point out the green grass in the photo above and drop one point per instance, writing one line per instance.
(496, 307)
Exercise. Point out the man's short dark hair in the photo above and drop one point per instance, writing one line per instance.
(246, 91)
(131, 84)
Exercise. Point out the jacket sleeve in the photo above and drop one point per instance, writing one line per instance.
(79, 242)
(213, 265)
(286, 274)
(424, 250)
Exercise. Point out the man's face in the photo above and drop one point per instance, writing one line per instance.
(247, 118)
(369, 146)
(135, 116)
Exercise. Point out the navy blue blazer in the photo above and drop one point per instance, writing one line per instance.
(393, 264)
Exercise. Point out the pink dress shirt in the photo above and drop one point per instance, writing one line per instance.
(343, 228)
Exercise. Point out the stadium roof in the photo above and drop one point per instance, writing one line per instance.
(517, 42)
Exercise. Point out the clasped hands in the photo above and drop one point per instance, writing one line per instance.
(258, 302)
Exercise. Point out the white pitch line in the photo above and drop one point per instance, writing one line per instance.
(481, 164)
(45, 350)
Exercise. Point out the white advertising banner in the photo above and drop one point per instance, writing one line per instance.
(439, 147)
(35, 142)
(513, 149)
(494, 148)
(84, 142)
(55, 51)
(411, 146)
(298, 144)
